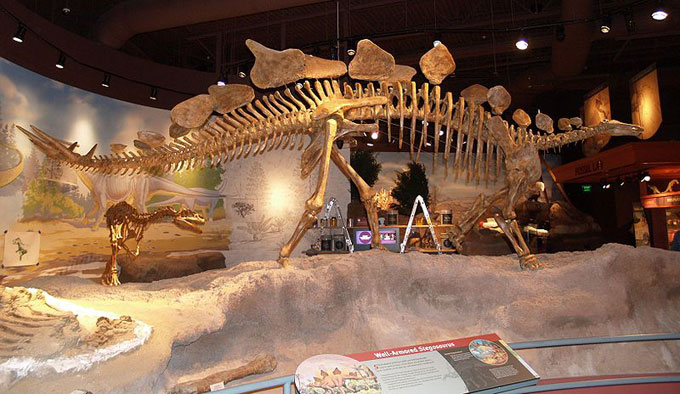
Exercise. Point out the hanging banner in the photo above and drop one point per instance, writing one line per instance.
(645, 101)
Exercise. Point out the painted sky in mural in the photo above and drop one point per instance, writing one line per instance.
(70, 113)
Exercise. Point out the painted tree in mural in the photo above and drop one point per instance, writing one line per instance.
(46, 199)
(410, 184)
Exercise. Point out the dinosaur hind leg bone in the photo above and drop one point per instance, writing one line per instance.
(366, 192)
(315, 203)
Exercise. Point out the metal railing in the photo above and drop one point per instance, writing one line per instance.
(286, 382)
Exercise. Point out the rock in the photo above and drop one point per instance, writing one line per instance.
(371, 63)
(193, 112)
(521, 118)
(563, 124)
(499, 99)
(275, 68)
(401, 74)
(229, 97)
(544, 122)
(437, 64)
(475, 94)
(150, 267)
(151, 138)
(318, 68)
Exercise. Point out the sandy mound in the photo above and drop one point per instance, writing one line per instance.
(221, 319)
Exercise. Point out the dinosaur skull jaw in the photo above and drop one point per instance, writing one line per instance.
(189, 224)
(617, 129)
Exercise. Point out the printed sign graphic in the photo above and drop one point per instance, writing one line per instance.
(21, 248)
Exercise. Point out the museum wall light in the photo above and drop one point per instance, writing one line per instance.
(107, 81)
(61, 61)
(19, 35)
(606, 25)
(154, 93)
(522, 43)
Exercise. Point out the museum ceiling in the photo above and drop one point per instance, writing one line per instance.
(208, 37)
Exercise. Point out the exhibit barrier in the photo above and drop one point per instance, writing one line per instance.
(286, 382)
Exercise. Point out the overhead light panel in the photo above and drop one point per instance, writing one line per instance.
(606, 25)
(21, 32)
(107, 81)
(522, 44)
(154, 94)
(61, 61)
(659, 13)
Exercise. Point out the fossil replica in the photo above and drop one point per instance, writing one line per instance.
(478, 143)
(124, 223)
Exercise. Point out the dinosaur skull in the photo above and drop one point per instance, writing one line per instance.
(616, 128)
(187, 219)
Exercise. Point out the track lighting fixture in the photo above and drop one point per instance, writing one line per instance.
(21, 32)
(240, 72)
(645, 177)
(107, 81)
(620, 181)
(374, 135)
(154, 93)
(606, 25)
(61, 61)
(522, 43)
(659, 13)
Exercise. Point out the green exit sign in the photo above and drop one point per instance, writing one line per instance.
(586, 188)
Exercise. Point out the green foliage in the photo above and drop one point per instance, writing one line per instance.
(366, 165)
(409, 185)
(207, 178)
(45, 200)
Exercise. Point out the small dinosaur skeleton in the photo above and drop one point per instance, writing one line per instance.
(476, 142)
(125, 222)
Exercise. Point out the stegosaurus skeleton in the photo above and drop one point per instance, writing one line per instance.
(325, 112)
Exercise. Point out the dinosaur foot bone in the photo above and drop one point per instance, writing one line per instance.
(529, 262)
(110, 278)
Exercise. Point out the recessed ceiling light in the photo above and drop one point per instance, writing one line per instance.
(522, 44)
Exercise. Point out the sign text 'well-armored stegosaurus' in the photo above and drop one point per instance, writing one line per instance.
(477, 142)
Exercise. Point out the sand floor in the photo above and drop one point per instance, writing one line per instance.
(370, 300)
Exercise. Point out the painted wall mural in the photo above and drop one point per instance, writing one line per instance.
(251, 205)
(596, 108)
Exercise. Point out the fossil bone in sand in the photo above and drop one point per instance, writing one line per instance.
(437, 64)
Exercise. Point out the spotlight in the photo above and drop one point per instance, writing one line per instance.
(659, 13)
(66, 10)
(107, 81)
(620, 181)
(606, 25)
(428, 144)
(369, 144)
(645, 177)
(522, 43)
(21, 32)
(154, 94)
(221, 82)
(240, 72)
(437, 39)
(61, 61)
(351, 51)
(374, 135)
(441, 132)
(436, 43)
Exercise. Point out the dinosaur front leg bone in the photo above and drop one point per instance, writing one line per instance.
(514, 235)
(110, 275)
(315, 203)
(365, 191)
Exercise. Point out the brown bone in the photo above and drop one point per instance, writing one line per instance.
(192, 112)
(141, 145)
(521, 118)
(402, 74)
(544, 122)
(475, 94)
(499, 99)
(118, 148)
(151, 138)
(275, 68)
(229, 97)
(177, 131)
(563, 124)
(437, 64)
(371, 63)
(318, 68)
